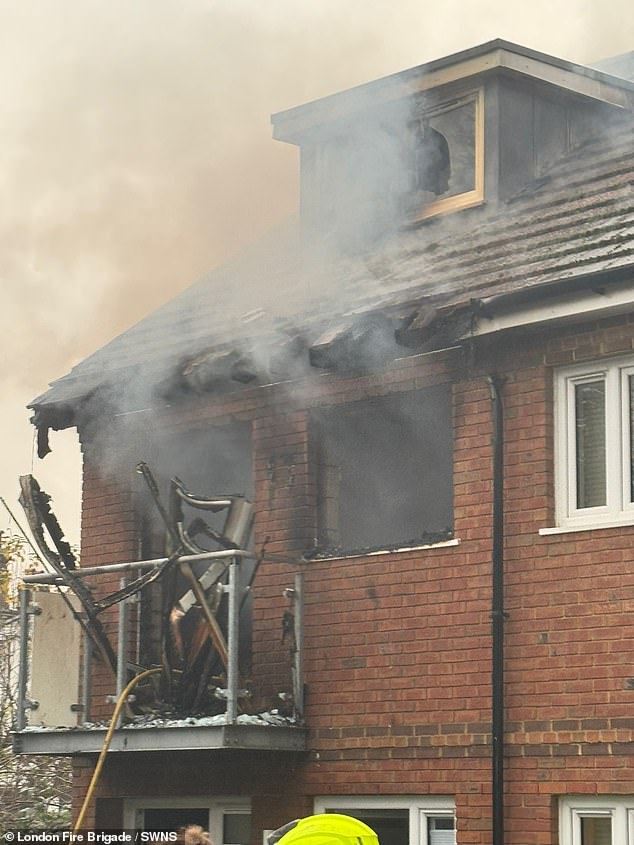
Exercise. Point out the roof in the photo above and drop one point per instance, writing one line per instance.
(281, 298)
(621, 65)
(603, 82)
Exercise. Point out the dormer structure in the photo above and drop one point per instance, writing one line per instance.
(465, 131)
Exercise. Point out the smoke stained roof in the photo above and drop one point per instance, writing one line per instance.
(577, 221)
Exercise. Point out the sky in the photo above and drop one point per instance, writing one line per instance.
(136, 155)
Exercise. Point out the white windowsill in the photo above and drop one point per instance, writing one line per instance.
(343, 556)
(587, 526)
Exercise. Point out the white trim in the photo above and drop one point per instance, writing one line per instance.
(441, 544)
(618, 508)
(561, 309)
(573, 809)
(586, 525)
(626, 438)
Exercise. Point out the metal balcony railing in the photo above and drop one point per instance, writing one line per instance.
(42, 626)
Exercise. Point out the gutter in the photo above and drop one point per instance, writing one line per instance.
(497, 615)
(592, 297)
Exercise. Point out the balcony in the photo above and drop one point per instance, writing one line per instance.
(60, 679)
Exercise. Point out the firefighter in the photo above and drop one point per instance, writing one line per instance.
(324, 829)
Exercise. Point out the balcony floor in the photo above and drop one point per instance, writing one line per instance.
(89, 740)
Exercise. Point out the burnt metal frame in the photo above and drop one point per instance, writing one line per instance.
(66, 573)
(232, 588)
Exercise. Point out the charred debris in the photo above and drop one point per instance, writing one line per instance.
(358, 343)
(194, 635)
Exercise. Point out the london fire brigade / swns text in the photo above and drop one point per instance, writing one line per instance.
(100, 837)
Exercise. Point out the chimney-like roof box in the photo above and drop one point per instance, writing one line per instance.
(596, 83)
(621, 65)
(462, 132)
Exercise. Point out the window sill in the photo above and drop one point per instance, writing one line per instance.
(352, 555)
(587, 526)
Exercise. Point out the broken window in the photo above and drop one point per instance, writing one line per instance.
(210, 462)
(445, 157)
(409, 160)
(384, 471)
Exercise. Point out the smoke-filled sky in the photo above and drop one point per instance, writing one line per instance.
(135, 153)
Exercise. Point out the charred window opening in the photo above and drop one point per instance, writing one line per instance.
(216, 460)
(432, 168)
(384, 472)
(208, 462)
(444, 167)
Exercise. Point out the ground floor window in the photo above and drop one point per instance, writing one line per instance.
(227, 820)
(399, 821)
(603, 820)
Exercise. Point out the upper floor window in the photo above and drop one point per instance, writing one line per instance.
(216, 460)
(594, 443)
(412, 159)
(445, 160)
(384, 471)
(606, 820)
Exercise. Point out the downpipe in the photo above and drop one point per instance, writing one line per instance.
(497, 615)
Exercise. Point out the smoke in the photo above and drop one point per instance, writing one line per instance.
(136, 149)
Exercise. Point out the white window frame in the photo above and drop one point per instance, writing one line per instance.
(573, 809)
(217, 808)
(420, 809)
(618, 509)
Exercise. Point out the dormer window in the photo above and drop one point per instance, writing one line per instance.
(446, 157)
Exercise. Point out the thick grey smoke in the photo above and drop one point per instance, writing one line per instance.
(136, 150)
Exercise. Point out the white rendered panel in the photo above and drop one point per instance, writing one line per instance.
(54, 662)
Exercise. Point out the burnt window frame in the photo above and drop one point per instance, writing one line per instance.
(466, 199)
(323, 550)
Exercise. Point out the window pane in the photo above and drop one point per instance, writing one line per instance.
(596, 831)
(391, 826)
(441, 830)
(236, 829)
(171, 819)
(590, 441)
(385, 471)
(457, 127)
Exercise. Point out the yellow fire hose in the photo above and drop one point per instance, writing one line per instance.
(106, 743)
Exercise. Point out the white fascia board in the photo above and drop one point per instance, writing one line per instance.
(584, 304)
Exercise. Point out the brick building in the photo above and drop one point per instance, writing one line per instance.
(425, 388)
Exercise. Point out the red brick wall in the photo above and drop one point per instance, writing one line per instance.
(398, 649)
(108, 535)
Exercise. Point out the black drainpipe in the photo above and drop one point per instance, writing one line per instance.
(497, 615)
